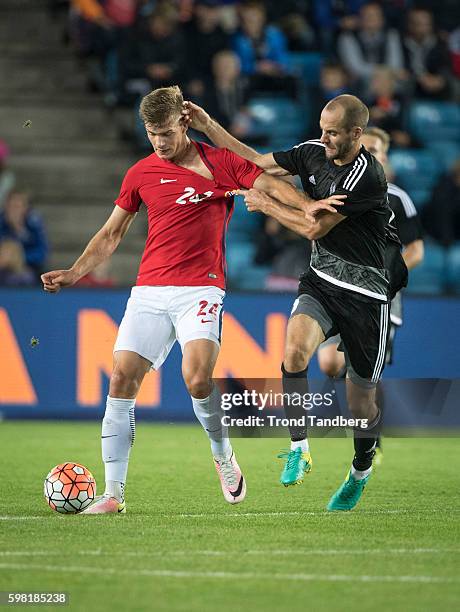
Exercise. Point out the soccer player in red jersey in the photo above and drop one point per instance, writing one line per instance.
(187, 188)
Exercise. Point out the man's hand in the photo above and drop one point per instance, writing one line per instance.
(255, 200)
(195, 117)
(54, 280)
(258, 201)
(313, 209)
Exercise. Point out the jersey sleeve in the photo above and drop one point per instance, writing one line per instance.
(129, 198)
(242, 171)
(299, 160)
(365, 187)
(406, 219)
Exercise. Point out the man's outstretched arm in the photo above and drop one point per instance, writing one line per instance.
(198, 119)
(100, 247)
(313, 227)
(288, 195)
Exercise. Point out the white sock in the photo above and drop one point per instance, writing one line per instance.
(303, 444)
(360, 474)
(209, 412)
(116, 489)
(118, 432)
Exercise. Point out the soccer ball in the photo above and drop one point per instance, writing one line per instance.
(69, 488)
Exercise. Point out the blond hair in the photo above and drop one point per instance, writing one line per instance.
(380, 134)
(161, 105)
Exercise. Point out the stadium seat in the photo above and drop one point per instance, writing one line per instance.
(430, 277)
(447, 152)
(253, 278)
(415, 169)
(278, 117)
(420, 197)
(453, 268)
(243, 224)
(240, 256)
(307, 66)
(434, 121)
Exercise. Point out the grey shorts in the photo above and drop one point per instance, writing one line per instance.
(367, 357)
(308, 305)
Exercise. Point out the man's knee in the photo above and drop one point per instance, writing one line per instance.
(304, 335)
(124, 384)
(361, 402)
(331, 366)
(296, 357)
(198, 384)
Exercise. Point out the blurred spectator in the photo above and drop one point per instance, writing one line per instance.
(276, 10)
(99, 278)
(262, 50)
(155, 56)
(441, 216)
(285, 251)
(454, 48)
(13, 268)
(371, 44)
(334, 81)
(446, 12)
(100, 28)
(204, 38)
(395, 12)
(21, 223)
(386, 106)
(299, 34)
(330, 16)
(7, 179)
(226, 96)
(426, 56)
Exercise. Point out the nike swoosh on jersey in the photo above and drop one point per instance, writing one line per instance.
(167, 180)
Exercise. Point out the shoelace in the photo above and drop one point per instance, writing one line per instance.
(228, 472)
(350, 488)
(292, 457)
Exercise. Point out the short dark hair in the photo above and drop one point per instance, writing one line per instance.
(254, 4)
(355, 112)
(161, 105)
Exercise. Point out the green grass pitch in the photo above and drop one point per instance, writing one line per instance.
(182, 547)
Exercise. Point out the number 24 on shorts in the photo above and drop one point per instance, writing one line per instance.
(211, 312)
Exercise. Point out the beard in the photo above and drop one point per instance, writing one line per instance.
(341, 150)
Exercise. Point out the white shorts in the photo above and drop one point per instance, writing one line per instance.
(155, 317)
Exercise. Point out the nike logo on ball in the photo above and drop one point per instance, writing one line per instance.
(167, 180)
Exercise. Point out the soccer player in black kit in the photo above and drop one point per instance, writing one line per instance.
(355, 269)
(406, 220)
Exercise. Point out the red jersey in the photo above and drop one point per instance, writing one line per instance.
(188, 215)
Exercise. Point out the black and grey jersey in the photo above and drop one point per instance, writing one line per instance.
(409, 228)
(351, 256)
(406, 219)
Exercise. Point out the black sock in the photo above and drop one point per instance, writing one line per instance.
(380, 401)
(294, 384)
(365, 441)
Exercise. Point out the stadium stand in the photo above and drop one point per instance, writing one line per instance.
(56, 91)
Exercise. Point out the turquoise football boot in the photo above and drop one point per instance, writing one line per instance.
(298, 463)
(348, 494)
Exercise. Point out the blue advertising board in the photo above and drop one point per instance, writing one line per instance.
(56, 350)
